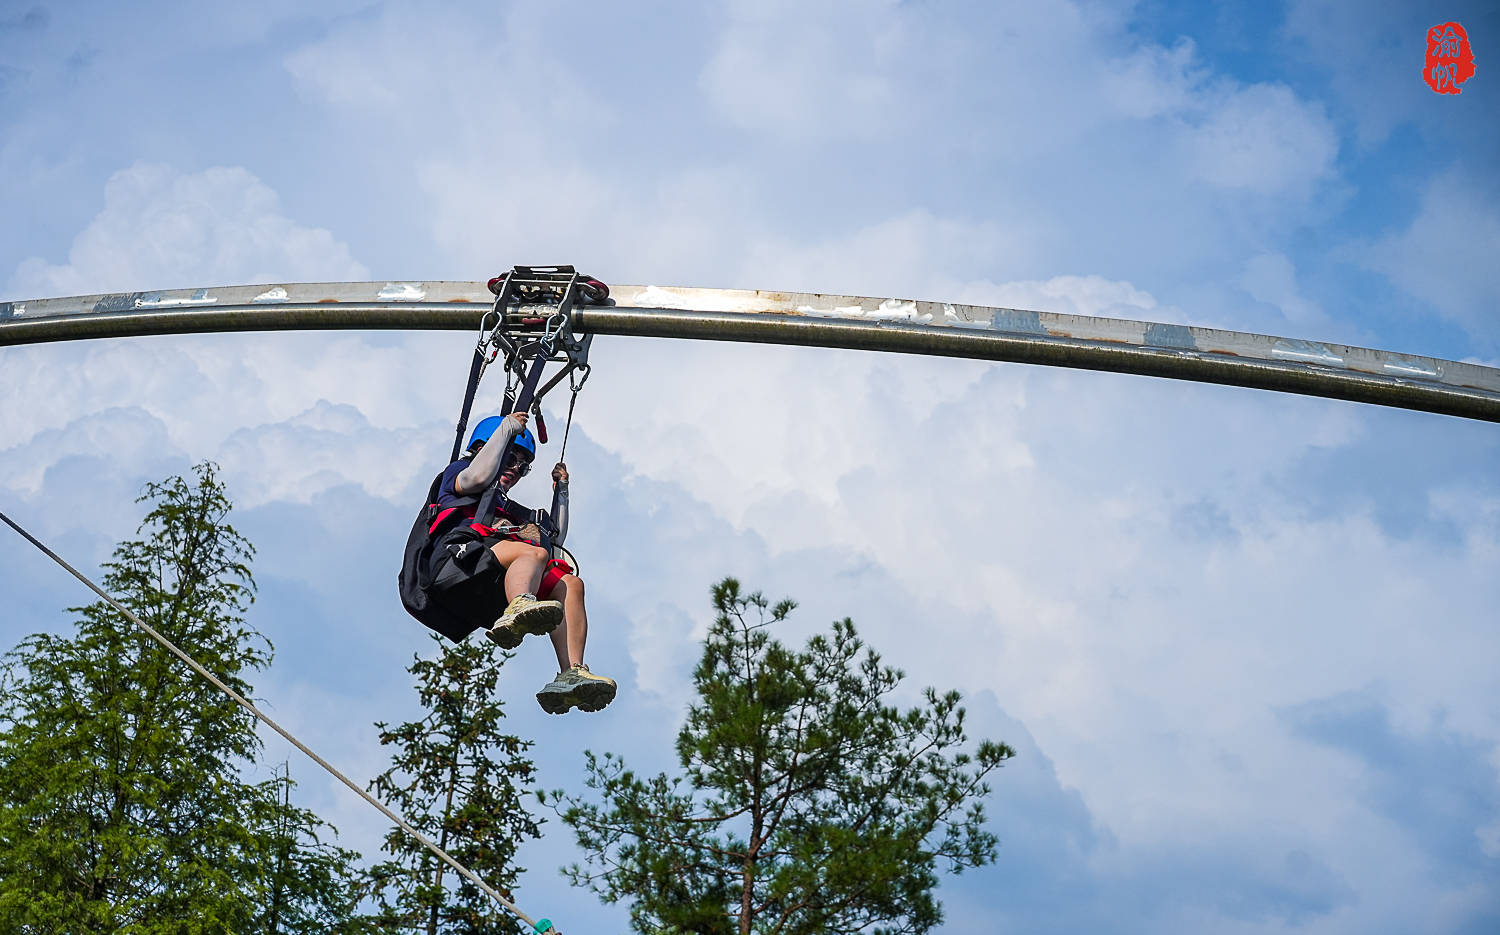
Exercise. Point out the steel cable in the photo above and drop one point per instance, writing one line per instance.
(242, 702)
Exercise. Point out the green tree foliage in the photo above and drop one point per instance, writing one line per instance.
(303, 884)
(460, 780)
(122, 802)
(806, 804)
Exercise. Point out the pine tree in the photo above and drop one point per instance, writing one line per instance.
(806, 804)
(304, 884)
(460, 780)
(122, 804)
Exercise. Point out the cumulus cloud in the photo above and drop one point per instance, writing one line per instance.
(161, 229)
(915, 254)
(1141, 592)
(1134, 578)
(1200, 165)
(1437, 259)
(1154, 80)
(1271, 278)
(299, 459)
(119, 435)
(1263, 139)
(1439, 785)
(1045, 79)
(854, 58)
(1144, 585)
(1074, 295)
(205, 388)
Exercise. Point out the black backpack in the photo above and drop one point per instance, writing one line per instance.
(415, 579)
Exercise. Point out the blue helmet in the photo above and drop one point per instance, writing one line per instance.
(487, 427)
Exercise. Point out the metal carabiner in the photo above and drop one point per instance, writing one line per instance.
(487, 338)
(581, 372)
(486, 330)
(550, 333)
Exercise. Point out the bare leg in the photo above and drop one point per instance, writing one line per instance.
(569, 639)
(524, 564)
(573, 687)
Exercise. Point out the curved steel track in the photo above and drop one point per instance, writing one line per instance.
(914, 327)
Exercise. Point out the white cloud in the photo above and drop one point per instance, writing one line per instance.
(1129, 565)
(205, 388)
(122, 436)
(299, 459)
(495, 70)
(1021, 82)
(161, 229)
(1138, 571)
(837, 74)
(1373, 54)
(1154, 81)
(911, 255)
(1271, 278)
(1136, 642)
(1131, 157)
(1262, 139)
(1445, 257)
(1073, 295)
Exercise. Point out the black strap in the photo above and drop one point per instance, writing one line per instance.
(475, 371)
(567, 427)
(533, 377)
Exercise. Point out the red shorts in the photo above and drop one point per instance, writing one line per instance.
(556, 568)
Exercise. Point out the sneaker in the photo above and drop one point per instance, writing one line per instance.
(576, 688)
(525, 615)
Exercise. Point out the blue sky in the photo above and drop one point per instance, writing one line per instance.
(1244, 642)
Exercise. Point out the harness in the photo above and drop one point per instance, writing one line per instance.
(532, 289)
(530, 324)
(453, 515)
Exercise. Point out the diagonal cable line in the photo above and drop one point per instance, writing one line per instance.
(248, 706)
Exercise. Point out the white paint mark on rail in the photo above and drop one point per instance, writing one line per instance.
(158, 300)
(402, 292)
(1407, 367)
(1305, 352)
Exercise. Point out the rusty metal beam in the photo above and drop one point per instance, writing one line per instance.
(1154, 349)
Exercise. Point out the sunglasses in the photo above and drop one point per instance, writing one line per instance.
(518, 458)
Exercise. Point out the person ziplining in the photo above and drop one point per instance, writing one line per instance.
(477, 559)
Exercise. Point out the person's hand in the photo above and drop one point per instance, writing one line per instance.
(523, 416)
(560, 473)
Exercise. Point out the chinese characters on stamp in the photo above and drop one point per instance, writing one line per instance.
(1450, 58)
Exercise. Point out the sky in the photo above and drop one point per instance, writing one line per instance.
(1244, 643)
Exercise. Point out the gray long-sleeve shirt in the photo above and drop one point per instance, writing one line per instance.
(485, 467)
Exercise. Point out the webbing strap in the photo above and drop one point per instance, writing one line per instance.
(533, 377)
(476, 370)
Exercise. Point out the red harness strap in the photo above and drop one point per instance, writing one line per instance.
(440, 518)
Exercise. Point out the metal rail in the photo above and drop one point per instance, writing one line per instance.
(1179, 352)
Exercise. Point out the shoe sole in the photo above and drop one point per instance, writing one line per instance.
(591, 696)
(533, 621)
(539, 618)
(505, 636)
